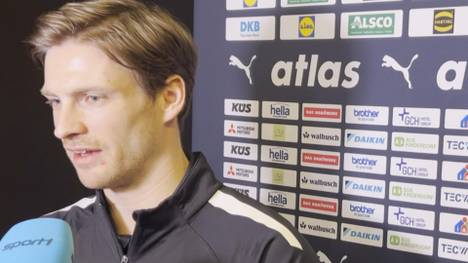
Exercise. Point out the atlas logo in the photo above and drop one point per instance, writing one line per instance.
(277, 198)
(240, 150)
(278, 154)
(280, 110)
(329, 74)
(444, 21)
(462, 175)
(390, 62)
(306, 26)
(250, 3)
(234, 61)
(462, 226)
(28, 242)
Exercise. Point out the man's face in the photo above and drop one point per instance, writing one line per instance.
(110, 128)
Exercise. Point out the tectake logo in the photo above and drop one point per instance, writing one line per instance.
(412, 243)
(277, 154)
(244, 108)
(250, 28)
(453, 224)
(372, 24)
(277, 198)
(369, 115)
(412, 218)
(453, 249)
(412, 193)
(237, 150)
(318, 227)
(238, 171)
(318, 205)
(320, 182)
(456, 119)
(321, 136)
(414, 168)
(374, 164)
(364, 187)
(454, 197)
(456, 145)
(320, 159)
(455, 172)
(415, 142)
(321, 112)
(366, 139)
(280, 110)
(368, 236)
(363, 211)
(241, 129)
(416, 117)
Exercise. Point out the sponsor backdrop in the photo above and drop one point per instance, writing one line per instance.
(349, 117)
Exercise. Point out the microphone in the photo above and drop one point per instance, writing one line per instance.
(47, 240)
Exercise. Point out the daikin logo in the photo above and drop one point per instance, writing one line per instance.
(390, 62)
(363, 187)
(366, 139)
(362, 235)
(234, 61)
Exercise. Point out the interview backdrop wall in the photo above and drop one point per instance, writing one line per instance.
(349, 117)
(36, 176)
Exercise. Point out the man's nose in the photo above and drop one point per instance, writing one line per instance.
(68, 122)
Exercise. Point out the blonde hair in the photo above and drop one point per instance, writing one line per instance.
(142, 37)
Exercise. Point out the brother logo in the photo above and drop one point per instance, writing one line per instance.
(279, 110)
(25, 243)
(241, 150)
(250, 26)
(241, 107)
(277, 198)
(365, 113)
(278, 154)
(364, 161)
(361, 209)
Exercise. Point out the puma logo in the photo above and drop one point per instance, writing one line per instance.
(234, 61)
(389, 62)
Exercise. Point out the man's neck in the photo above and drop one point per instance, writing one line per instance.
(150, 191)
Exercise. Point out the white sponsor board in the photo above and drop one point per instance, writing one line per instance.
(367, 115)
(241, 129)
(280, 110)
(366, 139)
(291, 218)
(455, 172)
(307, 27)
(245, 190)
(412, 193)
(279, 132)
(438, 22)
(320, 182)
(238, 150)
(364, 163)
(294, 3)
(453, 249)
(239, 171)
(413, 168)
(279, 154)
(378, 24)
(318, 227)
(363, 211)
(456, 145)
(412, 243)
(454, 223)
(249, 4)
(364, 187)
(366, 1)
(416, 117)
(456, 119)
(363, 235)
(277, 198)
(321, 136)
(320, 159)
(318, 205)
(415, 142)
(250, 28)
(454, 197)
(244, 108)
(278, 176)
(322, 112)
(412, 218)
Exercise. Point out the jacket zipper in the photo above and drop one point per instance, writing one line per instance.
(124, 259)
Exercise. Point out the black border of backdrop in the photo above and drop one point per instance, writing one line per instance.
(36, 176)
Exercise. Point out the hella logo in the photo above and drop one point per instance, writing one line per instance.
(277, 198)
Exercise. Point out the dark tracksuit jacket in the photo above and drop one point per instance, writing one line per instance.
(202, 222)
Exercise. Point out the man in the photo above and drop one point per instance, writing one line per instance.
(118, 74)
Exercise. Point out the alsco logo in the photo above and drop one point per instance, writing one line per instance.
(372, 24)
(444, 21)
(306, 26)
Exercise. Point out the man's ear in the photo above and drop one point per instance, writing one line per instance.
(172, 97)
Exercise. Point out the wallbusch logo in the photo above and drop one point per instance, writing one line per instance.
(277, 198)
(37, 242)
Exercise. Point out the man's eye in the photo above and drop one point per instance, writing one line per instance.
(92, 98)
(52, 102)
